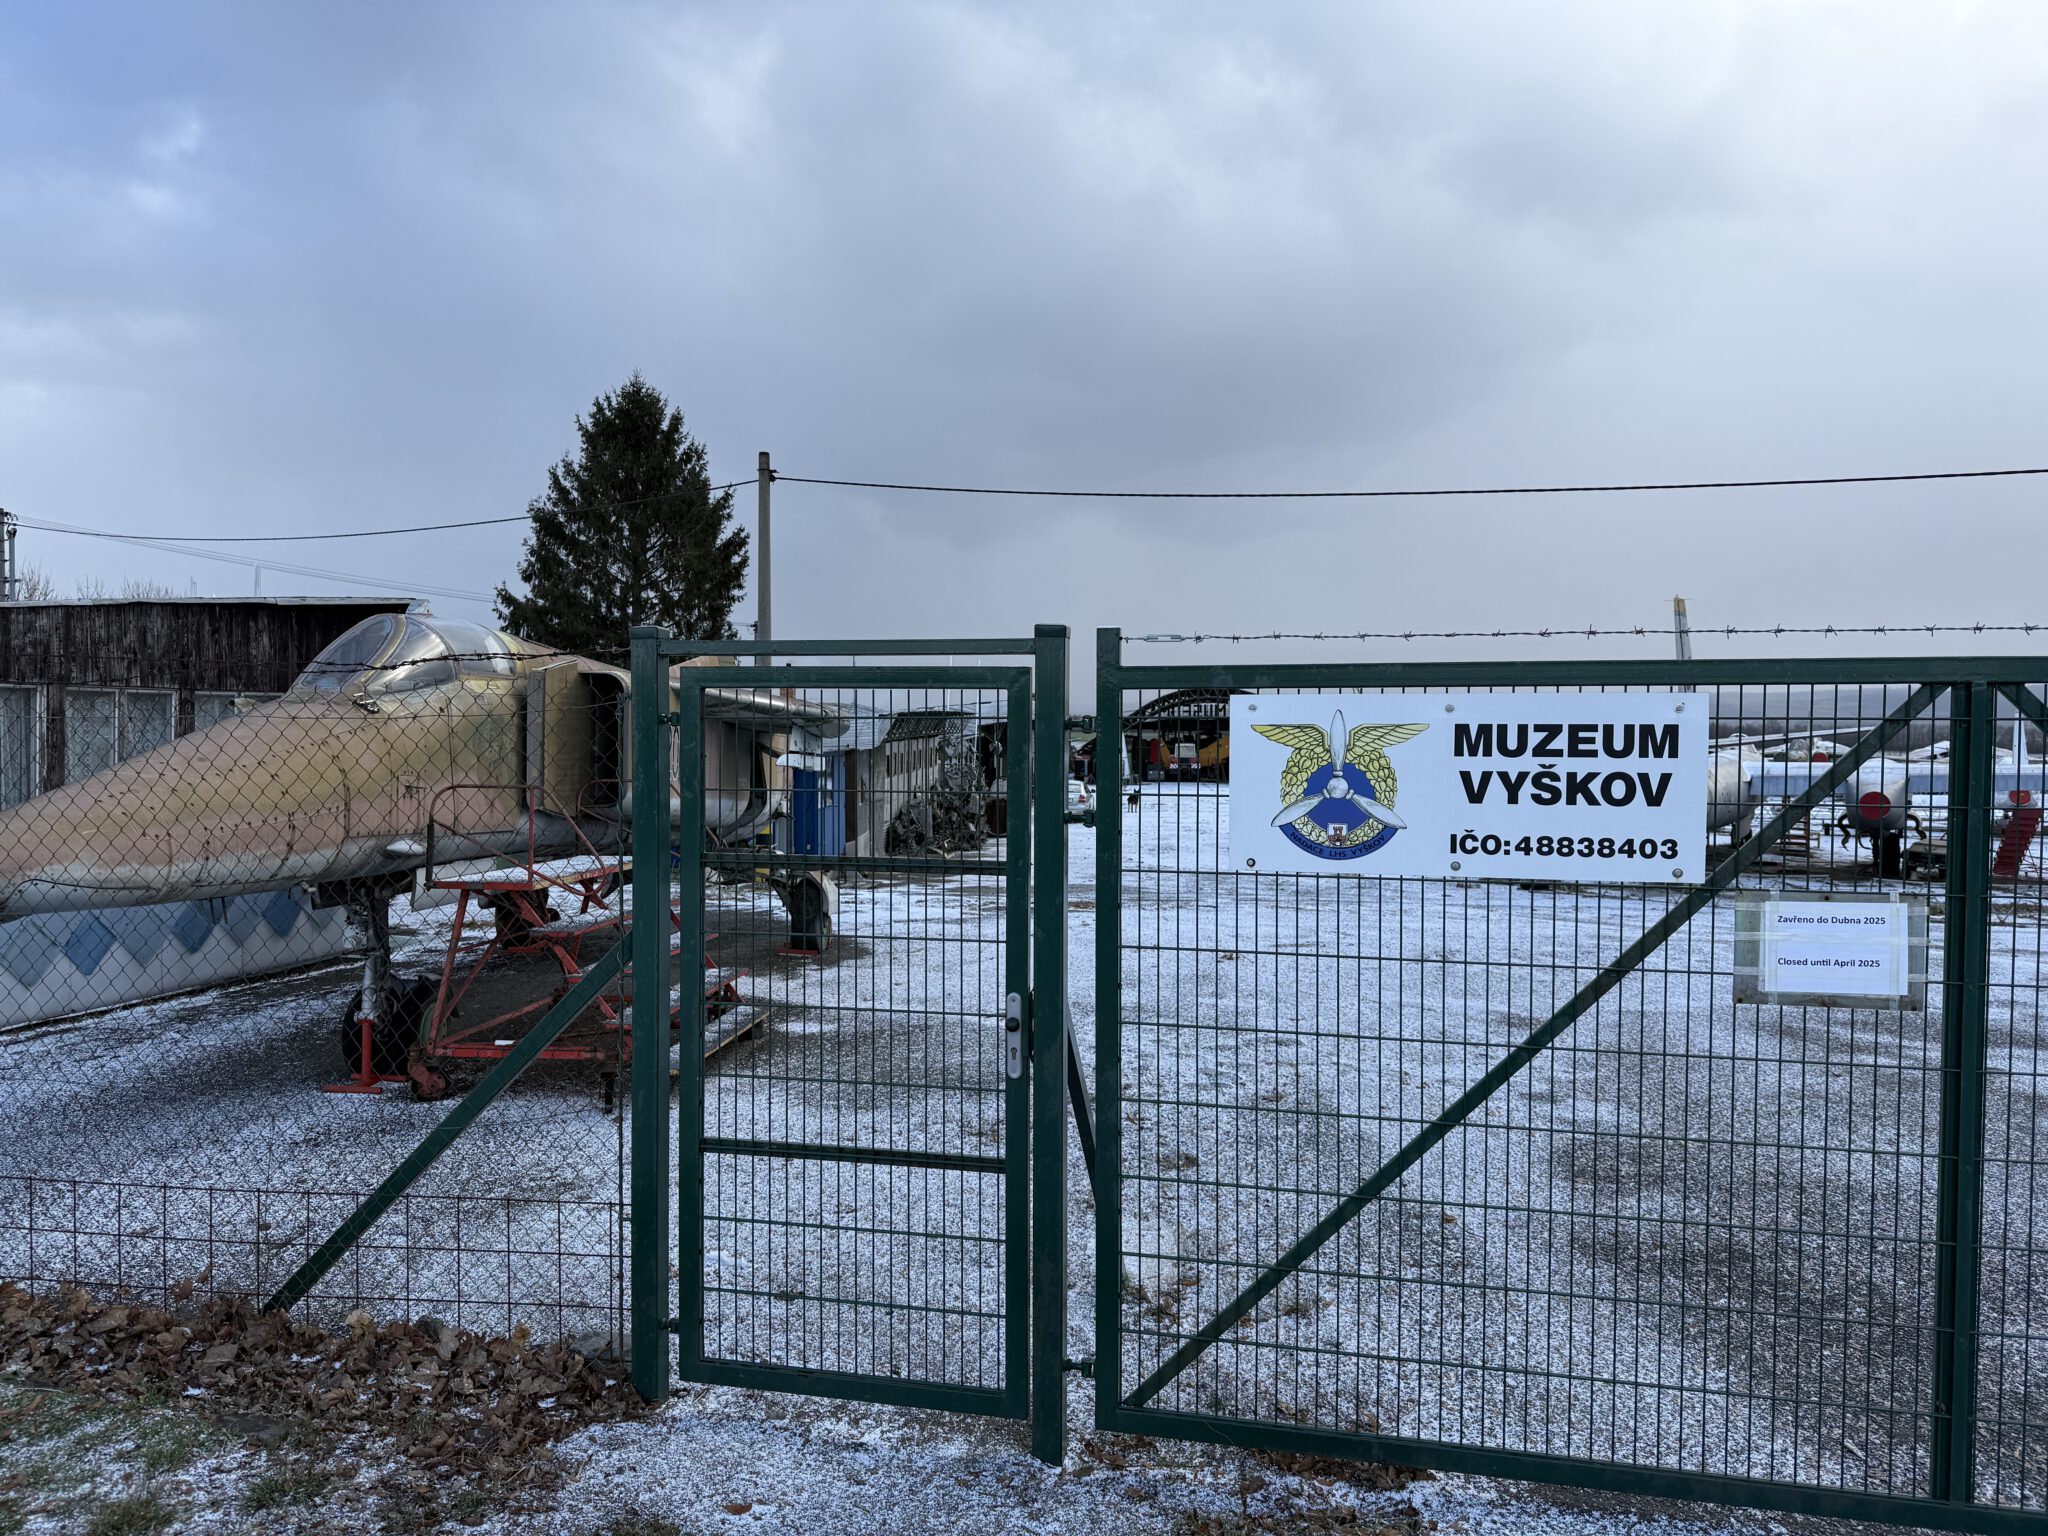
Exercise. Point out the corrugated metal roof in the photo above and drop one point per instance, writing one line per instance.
(923, 724)
(868, 730)
(866, 733)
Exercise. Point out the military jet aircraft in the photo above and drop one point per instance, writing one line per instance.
(409, 741)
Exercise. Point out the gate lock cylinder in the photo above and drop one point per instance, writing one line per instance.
(1013, 1035)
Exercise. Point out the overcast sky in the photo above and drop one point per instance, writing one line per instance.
(289, 268)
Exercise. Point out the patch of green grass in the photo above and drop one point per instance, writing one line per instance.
(409, 1514)
(1312, 1522)
(301, 1435)
(285, 1489)
(273, 1490)
(48, 1415)
(72, 1438)
(48, 1476)
(633, 1523)
(51, 1436)
(471, 1506)
(142, 1514)
(415, 1511)
(168, 1442)
(86, 1424)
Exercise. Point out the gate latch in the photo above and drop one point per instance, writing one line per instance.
(1013, 1036)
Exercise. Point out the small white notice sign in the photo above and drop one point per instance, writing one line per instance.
(1829, 946)
(1831, 949)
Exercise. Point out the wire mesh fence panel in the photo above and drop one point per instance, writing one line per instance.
(852, 1139)
(2011, 1443)
(1540, 1173)
(267, 918)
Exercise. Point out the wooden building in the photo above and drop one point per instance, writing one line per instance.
(85, 684)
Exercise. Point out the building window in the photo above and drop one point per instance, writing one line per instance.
(104, 726)
(209, 709)
(92, 732)
(148, 721)
(21, 761)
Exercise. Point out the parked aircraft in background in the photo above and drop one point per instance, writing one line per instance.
(1771, 743)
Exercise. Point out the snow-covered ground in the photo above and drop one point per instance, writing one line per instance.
(722, 1460)
(1691, 1234)
(717, 1460)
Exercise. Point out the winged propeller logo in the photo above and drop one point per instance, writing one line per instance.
(1339, 807)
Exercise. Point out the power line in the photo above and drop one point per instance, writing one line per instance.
(316, 572)
(308, 538)
(165, 541)
(372, 533)
(984, 490)
(1490, 490)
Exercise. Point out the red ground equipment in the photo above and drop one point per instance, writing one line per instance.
(549, 925)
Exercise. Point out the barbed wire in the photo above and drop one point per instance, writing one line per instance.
(1593, 632)
(101, 669)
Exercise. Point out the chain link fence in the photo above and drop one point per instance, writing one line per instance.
(204, 1063)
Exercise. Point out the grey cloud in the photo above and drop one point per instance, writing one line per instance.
(302, 269)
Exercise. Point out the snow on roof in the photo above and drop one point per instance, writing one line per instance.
(866, 732)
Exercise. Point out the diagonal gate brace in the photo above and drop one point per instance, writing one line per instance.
(453, 1124)
(1651, 940)
(2027, 702)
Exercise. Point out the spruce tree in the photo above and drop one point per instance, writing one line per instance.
(628, 532)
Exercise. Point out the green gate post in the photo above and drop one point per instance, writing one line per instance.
(1048, 1046)
(689, 889)
(1017, 1131)
(648, 1263)
(1966, 976)
(1109, 1126)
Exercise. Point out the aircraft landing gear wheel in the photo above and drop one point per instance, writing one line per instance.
(810, 918)
(391, 1041)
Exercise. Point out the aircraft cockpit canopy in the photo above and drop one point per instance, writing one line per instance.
(398, 653)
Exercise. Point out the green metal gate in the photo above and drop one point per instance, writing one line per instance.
(853, 860)
(1507, 1177)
